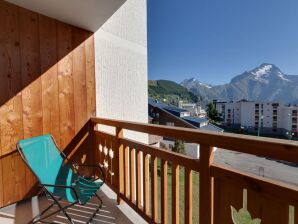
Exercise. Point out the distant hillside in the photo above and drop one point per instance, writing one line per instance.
(171, 91)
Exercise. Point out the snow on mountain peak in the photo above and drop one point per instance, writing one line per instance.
(206, 85)
(264, 70)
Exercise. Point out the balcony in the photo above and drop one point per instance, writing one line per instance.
(165, 187)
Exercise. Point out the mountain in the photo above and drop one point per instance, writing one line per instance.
(171, 91)
(265, 83)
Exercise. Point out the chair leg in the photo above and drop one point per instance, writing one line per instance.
(97, 209)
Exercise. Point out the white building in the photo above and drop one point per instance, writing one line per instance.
(266, 117)
(194, 109)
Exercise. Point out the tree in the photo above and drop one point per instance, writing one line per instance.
(211, 112)
(179, 147)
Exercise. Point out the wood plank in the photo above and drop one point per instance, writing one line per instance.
(266, 208)
(14, 179)
(49, 77)
(1, 184)
(226, 194)
(154, 184)
(65, 82)
(10, 65)
(188, 196)
(164, 191)
(175, 193)
(126, 171)
(265, 147)
(79, 79)
(288, 193)
(31, 81)
(139, 177)
(119, 134)
(11, 122)
(146, 183)
(132, 176)
(206, 184)
(90, 76)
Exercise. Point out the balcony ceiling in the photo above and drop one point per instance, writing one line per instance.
(86, 14)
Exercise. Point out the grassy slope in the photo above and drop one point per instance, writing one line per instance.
(169, 90)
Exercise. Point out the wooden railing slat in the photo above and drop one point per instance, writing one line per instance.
(175, 193)
(126, 171)
(146, 183)
(120, 157)
(188, 196)
(132, 176)
(154, 209)
(206, 185)
(139, 180)
(164, 154)
(164, 191)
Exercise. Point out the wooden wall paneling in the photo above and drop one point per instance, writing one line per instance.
(1, 183)
(265, 207)
(11, 122)
(30, 67)
(90, 76)
(14, 179)
(45, 70)
(79, 79)
(65, 80)
(49, 80)
(226, 194)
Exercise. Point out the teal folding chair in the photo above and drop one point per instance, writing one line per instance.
(58, 176)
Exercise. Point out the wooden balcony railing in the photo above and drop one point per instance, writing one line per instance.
(138, 173)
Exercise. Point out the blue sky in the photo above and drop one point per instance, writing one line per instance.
(214, 40)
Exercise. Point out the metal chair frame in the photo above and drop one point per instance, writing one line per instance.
(41, 216)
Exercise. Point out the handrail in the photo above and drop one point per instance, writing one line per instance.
(220, 187)
(265, 147)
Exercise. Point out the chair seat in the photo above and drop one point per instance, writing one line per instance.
(85, 189)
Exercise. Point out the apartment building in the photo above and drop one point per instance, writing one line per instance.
(193, 108)
(265, 117)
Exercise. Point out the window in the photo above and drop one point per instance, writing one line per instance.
(170, 124)
(157, 115)
(294, 113)
(294, 119)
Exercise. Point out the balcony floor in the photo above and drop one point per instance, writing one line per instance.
(111, 213)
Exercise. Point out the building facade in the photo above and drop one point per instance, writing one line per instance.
(265, 117)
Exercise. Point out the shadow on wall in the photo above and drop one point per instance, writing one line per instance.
(47, 85)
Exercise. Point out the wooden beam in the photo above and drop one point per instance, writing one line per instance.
(265, 147)
(154, 196)
(119, 134)
(164, 191)
(188, 196)
(206, 185)
(175, 193)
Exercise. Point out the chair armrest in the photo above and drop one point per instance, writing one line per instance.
(62, 186)
(93, 165)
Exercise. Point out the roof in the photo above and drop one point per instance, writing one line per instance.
(211, 127)
(195, 119)
(156, 103)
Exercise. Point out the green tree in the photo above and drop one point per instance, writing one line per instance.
(179, 147)
(211, 112)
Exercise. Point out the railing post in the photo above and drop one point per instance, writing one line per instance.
(206, 185)
(119, 135)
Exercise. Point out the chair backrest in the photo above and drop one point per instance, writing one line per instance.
(45, 161)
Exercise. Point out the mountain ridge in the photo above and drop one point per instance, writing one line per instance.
(265, 82)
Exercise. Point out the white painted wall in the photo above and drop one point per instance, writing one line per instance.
(121, 66)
